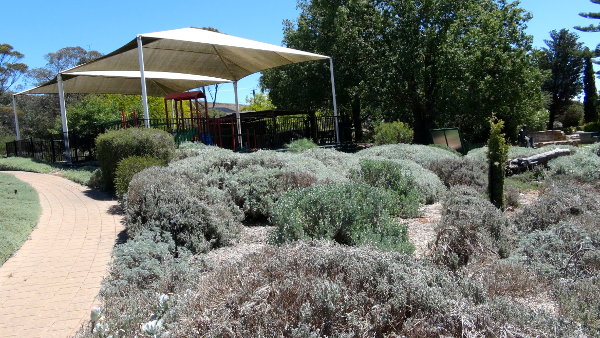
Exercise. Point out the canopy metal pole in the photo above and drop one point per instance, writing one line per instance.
(63, 118)
(335, 112)
(237, 114)
(17, 132)
(143, 81)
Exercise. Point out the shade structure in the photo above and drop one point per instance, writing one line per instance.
(201, 52)
(124, 82)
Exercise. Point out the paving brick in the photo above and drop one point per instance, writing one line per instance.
(49, 286)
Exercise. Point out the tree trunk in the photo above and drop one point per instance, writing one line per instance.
(356, 120)
(422, 124)
(553, 110)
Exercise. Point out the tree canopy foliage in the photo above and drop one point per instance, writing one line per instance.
(590, 15)
(563, 58)
(62, 59)
(10, 69)
(433, 63)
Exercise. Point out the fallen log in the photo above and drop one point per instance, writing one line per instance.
(519, 165)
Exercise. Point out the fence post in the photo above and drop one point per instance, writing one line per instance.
(52, 150)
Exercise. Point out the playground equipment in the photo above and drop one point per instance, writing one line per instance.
(195, 128)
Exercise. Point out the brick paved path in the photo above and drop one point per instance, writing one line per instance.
(48, 287)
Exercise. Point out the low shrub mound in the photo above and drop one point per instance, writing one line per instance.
(390, 176)
(191, 149)
(471, 226)
(584, 165)
(427, 183)
(199, 217)
(130, 166)
(461, 171)
(317, 289)
(559, 201)
(392, 133)
(115, 145)
(480, 154)
(348, 213)
(421, 154)
(300, 145)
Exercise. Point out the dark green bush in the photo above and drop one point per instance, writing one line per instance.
(130, 166)
(389, 175)
(470, 226)
(392, 132)
(300, 145)
(461, 171)
(113, 146)
(592, 127)
(497, 157)
(199, 217)
(348, 213)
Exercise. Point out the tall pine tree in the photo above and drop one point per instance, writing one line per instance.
(590, 15)
(590, 101)
(563, 58)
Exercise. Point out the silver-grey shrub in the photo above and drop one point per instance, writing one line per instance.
(315, 289)
(461, 171)
(559, 201)
(584, 165)
(421, 154)
(199, 217)
(470, 226)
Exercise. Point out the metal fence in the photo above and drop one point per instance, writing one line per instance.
(271, 132)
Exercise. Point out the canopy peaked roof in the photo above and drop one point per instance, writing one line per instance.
(201, 52)
(124, 82)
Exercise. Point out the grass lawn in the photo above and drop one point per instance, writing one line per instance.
(79, 175)
(19, 214)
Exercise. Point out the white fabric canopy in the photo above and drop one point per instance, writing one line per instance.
(124, 82)
(201, 52)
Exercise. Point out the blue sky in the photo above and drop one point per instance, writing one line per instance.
(38, 27)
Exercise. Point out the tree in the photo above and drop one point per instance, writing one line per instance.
(62, 59)
(591, 15)
(259, 101)
(563, 58)
(10, 69)
(432, 63)
(344, 30)
(590, 100)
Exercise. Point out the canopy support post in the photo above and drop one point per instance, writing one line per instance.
(335, 112)
(63, 118)
(143, 81)
(237, 115)
(17, 132)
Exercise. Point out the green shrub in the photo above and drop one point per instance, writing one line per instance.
(392, 133)
(199, 217)
(130, 166)
(592, 127)
(300, 145)
(461, 171)
(470, 227)
(389, 175)
(113, 146)
(421, 154)
(349, 213)
(497, 157)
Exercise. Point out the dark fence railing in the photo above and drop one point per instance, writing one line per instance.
(271, 132)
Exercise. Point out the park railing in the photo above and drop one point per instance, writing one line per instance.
(270, 132)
